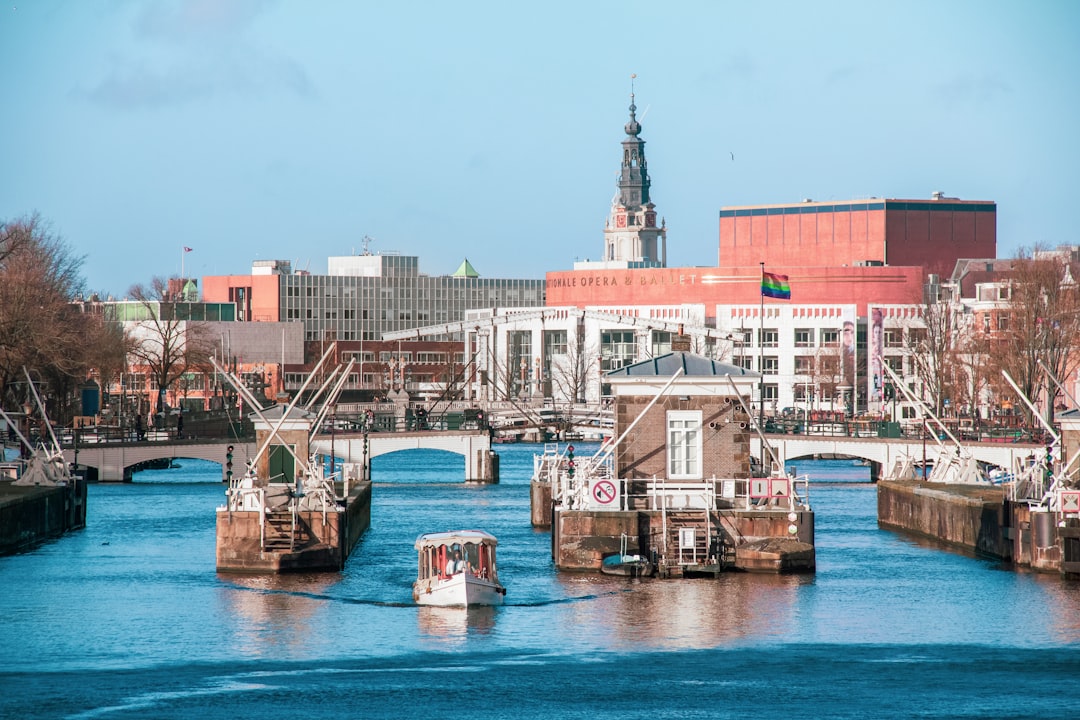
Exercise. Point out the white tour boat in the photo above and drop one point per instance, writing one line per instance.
(457, 568)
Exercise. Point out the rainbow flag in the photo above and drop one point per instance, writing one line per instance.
(775, 286)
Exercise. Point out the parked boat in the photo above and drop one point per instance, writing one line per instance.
(457, 568)
(627, 564)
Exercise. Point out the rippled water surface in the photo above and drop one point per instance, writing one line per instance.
(128, 619)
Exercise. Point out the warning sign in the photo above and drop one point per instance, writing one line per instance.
(759, 487)
(1070, 501)
(603, 494)
(779, 487)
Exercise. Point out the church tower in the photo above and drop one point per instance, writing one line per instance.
(631, 235)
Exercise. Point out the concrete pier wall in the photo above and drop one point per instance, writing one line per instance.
(582, 538)
(239, 544)
(357, 516)
(540, 504)
(968, 516)
(485, 469)
(979, 518)
(32, 515)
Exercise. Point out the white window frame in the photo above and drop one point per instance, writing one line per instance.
(684, 445)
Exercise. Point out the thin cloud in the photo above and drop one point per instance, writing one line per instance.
(972, 89)
(135, 83)
(198, 21)
(196, 50)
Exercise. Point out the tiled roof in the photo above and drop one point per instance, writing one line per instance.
(691, 364)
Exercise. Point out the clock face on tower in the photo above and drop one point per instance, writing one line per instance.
(620, 221)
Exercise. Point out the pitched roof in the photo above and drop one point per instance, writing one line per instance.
(691, 364)
(275, 413)
(466, 270)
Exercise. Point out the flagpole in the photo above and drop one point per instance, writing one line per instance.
(761, 349)
(183, 252)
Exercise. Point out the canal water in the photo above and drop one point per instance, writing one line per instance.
(128, 619)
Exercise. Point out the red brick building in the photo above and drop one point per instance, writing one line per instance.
(732, 285)
(933, 234)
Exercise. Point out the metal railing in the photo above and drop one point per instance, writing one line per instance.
(907, 429)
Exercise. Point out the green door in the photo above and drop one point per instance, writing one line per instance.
(282, 465)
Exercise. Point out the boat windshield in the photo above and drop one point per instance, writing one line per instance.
(445, 561)
(480, 559)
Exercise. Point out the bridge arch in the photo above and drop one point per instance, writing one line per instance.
(883, 452)
(474, 445)
(115, 462)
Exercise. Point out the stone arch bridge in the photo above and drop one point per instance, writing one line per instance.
(883, 452)
(116, 461)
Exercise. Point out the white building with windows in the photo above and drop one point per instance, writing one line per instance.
(807, 355)
(562, 353)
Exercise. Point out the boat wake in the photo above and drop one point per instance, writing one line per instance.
(410, 604)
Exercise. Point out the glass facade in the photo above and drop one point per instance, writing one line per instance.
(350, 307)
(133, 311)
(617, 348)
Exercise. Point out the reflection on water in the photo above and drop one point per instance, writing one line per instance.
(140, 585)
(455, 623)
(1059, 603)
(272, 612)
(690, 613)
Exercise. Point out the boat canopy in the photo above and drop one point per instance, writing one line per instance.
(455, 537)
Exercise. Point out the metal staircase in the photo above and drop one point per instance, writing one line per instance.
(284, 532)
(696, 541)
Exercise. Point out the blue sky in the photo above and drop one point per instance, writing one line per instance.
(256, 129)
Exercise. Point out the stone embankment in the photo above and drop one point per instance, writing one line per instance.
(30, 515)
(980, 519)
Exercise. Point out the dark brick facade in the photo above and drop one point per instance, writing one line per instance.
(725, 441)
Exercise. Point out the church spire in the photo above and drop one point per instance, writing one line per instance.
(634, 177)
(631, 234)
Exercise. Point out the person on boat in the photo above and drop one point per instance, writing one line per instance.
(455, 564)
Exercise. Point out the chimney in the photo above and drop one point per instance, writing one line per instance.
(680, 342)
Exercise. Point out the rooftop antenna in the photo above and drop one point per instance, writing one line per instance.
(646, 110)
(366, 243)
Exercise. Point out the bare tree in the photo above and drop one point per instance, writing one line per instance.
(828, 372)
(1043, 323)
(454, 377)
(929, 344)
(972, 371)
(40, 328)
(570, 372)
(168, 343)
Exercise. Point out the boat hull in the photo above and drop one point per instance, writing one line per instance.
(627, 566)
(462, 590)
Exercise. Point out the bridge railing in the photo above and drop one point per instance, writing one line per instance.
(911, 430)
(102, 435)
